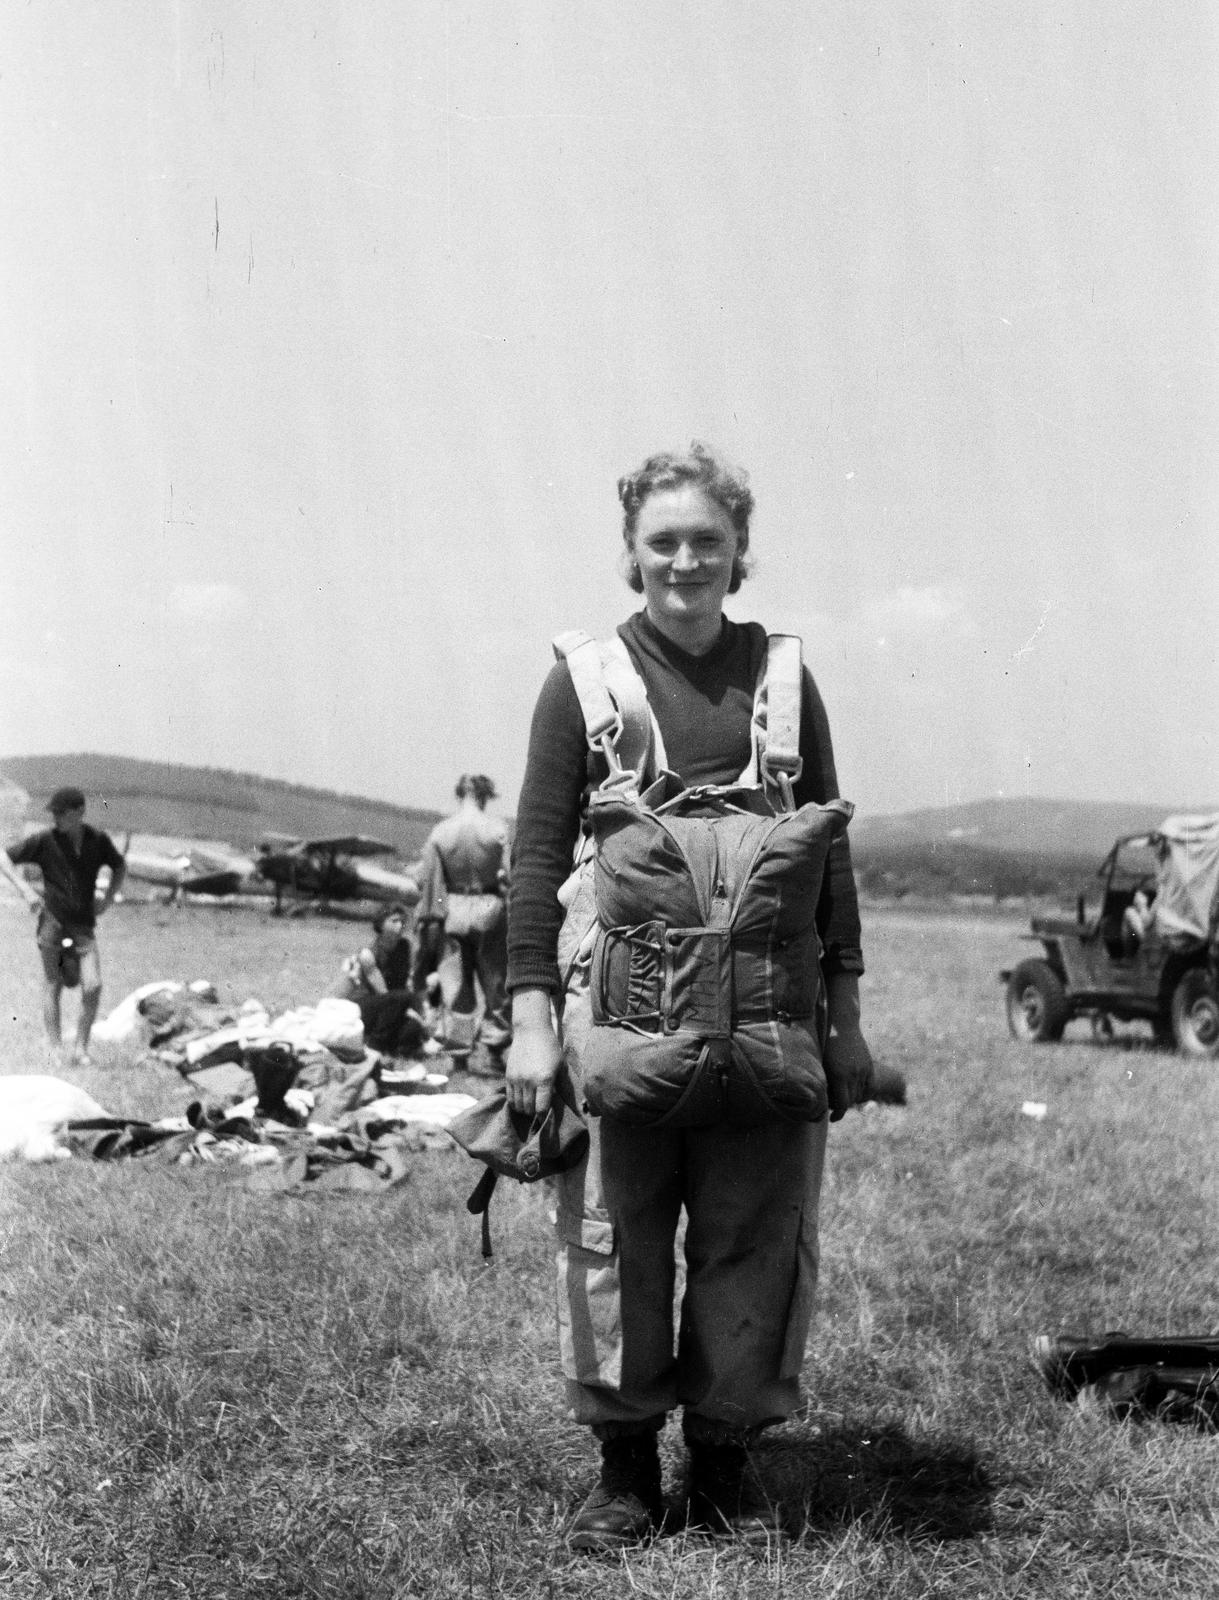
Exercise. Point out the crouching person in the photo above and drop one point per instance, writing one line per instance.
(377, 977)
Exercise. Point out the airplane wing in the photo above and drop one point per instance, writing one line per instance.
(351, 844)
(381, 884)
(150, 866)
(206, 858)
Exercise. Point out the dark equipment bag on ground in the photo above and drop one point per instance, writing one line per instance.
(1174, 1379)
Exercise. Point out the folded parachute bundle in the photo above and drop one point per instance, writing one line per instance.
(1174, 1379)
(705, 988)
(695, 913)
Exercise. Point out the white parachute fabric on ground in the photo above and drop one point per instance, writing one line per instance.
(1187, 891)
(432, 1110)
(34, 1109)
(124, 1021)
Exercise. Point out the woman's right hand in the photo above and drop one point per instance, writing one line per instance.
(534, 1056)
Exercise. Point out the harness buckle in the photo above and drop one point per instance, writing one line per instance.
(607, 743)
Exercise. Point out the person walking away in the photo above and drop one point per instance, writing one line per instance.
(749, 1189)
(463, 885)
(70, 855)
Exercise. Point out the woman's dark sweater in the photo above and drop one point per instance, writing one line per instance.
(704, 707)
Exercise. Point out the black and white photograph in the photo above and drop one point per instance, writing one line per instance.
(609, 800)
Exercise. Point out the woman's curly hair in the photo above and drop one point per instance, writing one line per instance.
(728, 486)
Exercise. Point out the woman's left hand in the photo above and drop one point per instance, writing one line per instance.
(847, 1059)
(848, 1070)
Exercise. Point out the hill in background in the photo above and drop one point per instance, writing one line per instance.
(997, 849)
(149, 797)
(1000, 849)
(1049, 828)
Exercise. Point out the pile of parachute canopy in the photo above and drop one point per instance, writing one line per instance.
(291, 1100)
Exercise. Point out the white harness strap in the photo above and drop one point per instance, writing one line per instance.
(775, 763)
(583, 656)
(618, 721)
(777, 714)
(619, 724)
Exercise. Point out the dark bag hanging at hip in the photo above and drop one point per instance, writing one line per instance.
(69, 963)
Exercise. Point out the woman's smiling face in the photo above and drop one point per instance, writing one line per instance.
(685, 546)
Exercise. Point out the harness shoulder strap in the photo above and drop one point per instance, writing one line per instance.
(618, 721)
(784, 696)
(775, 762)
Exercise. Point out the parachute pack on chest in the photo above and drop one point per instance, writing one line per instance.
(689, 949)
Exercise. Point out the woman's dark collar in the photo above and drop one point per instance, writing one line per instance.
(675, 652)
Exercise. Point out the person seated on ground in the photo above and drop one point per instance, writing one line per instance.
(377, 978)
(1138, 919)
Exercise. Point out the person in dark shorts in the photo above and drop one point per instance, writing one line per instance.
(70, 856)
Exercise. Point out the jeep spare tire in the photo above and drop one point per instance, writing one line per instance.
(1195, 1014)
(1037, 1006)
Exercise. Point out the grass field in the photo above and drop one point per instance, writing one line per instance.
(208, 1392)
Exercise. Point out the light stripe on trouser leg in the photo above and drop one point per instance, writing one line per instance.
(751, 1197)
(617, 1218)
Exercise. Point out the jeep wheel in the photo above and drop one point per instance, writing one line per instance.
(1037, 1006)
(1195, 1014)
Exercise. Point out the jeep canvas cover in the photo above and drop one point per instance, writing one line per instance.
(1187, 887)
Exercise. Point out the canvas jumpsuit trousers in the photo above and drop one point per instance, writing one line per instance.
(750, 1198)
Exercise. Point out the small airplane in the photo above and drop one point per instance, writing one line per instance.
(327, 870)
(185, 867)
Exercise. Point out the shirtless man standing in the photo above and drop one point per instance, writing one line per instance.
(464, 883)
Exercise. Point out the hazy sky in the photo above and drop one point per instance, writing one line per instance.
(328, 331)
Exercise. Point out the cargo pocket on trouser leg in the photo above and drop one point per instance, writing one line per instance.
(589, 1299)
(800, 1311)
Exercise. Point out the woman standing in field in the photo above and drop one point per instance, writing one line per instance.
(749, 1193)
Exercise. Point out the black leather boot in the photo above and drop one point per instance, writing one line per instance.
(725, 1497)
(626, 1506)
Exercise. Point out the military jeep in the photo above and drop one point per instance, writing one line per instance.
(1110, 966)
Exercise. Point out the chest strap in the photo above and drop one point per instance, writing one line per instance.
(619, 723)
